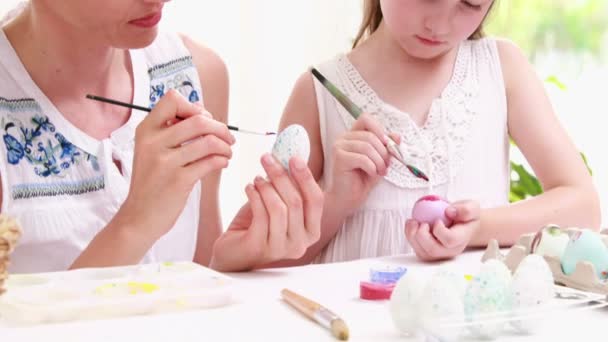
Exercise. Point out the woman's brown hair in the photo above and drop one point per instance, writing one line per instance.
(372, 17)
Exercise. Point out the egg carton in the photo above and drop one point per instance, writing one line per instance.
(102, 293)
(583, 278)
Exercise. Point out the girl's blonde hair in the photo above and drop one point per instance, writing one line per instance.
(372, 17)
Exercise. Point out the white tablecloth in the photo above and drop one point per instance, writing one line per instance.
(258, 313)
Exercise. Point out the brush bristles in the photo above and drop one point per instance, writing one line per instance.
(339, 329)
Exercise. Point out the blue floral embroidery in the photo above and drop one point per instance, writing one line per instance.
(14, 148)
(50, 157)
(173, 75)
(181, 83)
(193, 96)
(156, 93)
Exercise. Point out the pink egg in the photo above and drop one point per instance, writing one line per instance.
(429, 209)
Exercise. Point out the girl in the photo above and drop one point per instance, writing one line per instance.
(423, 71)
(98, 185)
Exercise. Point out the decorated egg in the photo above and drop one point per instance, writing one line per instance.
(488, 294)
(291, 142)
(586, 245)
(429, 209)
(532, 288)
(550, 241)
(405, 303)
(441, 305)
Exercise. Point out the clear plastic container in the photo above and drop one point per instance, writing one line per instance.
(99, 293)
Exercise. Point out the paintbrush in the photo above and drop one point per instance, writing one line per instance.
(145, 109)
(355, 112)
(317, 313)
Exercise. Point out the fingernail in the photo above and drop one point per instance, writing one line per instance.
(299, 164)
(268, 159)
(385, 139)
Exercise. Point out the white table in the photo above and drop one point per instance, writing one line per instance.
(260, 315)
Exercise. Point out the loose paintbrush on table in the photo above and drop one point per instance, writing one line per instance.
(355, 112)
(145, 109)
(317, 313)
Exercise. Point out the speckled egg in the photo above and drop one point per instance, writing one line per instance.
(488, 293)
(532, 289)
(441, 305)
(429, 209)
(586, 245)
(291, 142)
(405, 303)
(550, 241)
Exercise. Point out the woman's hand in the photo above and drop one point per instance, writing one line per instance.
(281, 219)
(171, 156)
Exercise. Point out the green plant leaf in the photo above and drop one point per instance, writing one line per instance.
(586, 163)
(523, 184)
(555, 81)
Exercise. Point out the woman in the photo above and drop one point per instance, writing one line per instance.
(98, 185)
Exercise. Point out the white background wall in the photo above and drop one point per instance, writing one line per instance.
(267, 44)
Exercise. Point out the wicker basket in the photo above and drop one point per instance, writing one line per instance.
(9, 235)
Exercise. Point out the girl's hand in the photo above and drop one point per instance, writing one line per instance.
(440, 242)
(360, 160)
(280, 221)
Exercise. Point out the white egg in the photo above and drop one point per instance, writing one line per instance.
(532, 289)
(441, 305)
(550, 241)
(405, 303)
(488, 294)
(292, 141)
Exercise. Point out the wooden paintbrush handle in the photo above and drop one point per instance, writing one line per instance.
(304, 305)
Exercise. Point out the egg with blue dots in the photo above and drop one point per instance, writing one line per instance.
(442, 306)
(291, 142)
(488, 294)
(532, 290)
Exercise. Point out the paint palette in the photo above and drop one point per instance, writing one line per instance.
(99, 293)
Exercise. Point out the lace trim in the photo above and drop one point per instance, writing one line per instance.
(437, 147)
